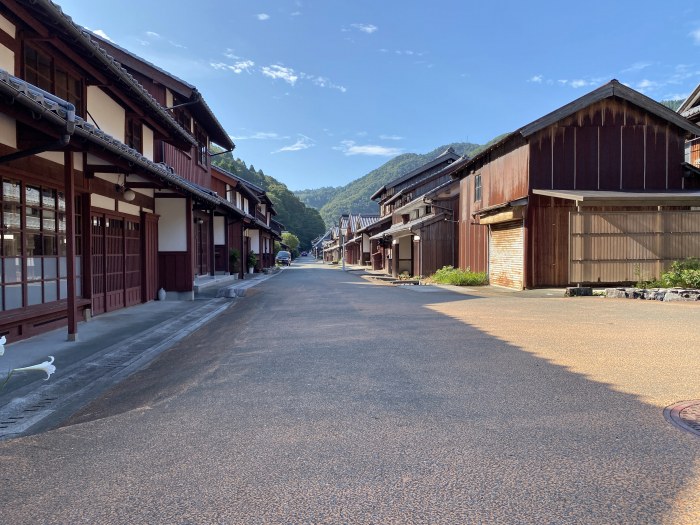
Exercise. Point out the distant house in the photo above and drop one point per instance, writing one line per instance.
(598, 191)
(254, 230)
(420, 235)
(357, 244)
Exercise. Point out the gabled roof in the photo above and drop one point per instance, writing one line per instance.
(60, 24)
(691, 105)
(446, 155)
(379, 223)
(248, 188)
(609, 90)
(197, 105)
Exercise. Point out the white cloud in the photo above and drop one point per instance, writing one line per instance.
(102, 34)
(323, 82)
(260, 135)
(263, 16)
(152, 34)
(695, 35)
(579, 83)
(637, 66)
(349, 147)
(302, 143)
(285, 73)
(390, 137)
(537, 79)
(365, 28)
(230, 54)
(243, 65)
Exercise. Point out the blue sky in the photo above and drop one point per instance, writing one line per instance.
(320, 92)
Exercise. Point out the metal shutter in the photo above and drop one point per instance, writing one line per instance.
(506, 255)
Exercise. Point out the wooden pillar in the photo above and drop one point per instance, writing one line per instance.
(69, 191)
(395, 258)
(212, 248)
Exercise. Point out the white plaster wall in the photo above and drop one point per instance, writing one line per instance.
(7, 26)
(109, 116)
(110, 177)
(219, 230)
(148, 143)
(172, 225)
(254, 240)
(129, 209)
(8, 131)
(405, 253)
(99, 201)
(168, 98)
(7, 60)
(365, 243)
(53, 156)
(78, 161)
(148, 192)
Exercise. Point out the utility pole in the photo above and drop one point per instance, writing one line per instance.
(342, 247)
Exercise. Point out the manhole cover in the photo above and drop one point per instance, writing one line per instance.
(685, 415)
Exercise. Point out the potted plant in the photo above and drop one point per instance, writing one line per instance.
(252, 261)
(233, 257)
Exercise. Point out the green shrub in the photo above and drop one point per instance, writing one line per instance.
(685, 273)
(459, 277)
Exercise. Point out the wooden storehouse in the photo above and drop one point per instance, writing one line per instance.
(598, 191)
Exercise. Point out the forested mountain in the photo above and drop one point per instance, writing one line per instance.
(355, 196)
(297, 218)
(672, 104)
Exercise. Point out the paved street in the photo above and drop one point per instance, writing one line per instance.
(322, 397)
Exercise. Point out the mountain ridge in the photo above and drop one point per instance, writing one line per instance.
(354, 197)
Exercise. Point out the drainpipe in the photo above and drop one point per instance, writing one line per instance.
(69, 123)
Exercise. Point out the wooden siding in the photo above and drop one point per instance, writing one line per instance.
(437, 247)
(175, 271)
(506, 255)
(504, 179)
(628, 246)
(548, 242)
(185, 165)
(473, 237)
(611, 145)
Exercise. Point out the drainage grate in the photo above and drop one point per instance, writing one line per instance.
(685, 415)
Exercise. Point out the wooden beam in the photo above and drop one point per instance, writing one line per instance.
(69, 190)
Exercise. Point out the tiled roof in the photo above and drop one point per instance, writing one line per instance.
(83, 38)
(59, 112)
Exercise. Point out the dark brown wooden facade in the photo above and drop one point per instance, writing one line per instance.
(623, 151)
(424, 209)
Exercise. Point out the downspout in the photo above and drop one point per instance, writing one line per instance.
(55, 145)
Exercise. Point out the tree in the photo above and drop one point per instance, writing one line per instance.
(292, 241)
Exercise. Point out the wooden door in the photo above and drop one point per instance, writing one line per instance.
(132, 262)
(97, 262)
(114, 267)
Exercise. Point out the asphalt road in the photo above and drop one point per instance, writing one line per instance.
(324, 398)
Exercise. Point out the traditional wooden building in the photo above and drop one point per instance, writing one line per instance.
(357, 245)
(206, 239)
(598, 191)
(92, 215)
(421, 234)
